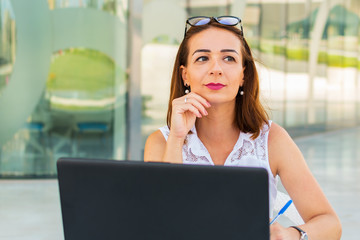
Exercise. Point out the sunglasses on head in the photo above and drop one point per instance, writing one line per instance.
(224, 20)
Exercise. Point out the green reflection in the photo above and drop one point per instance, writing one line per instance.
(105, 5)
(339, 39)
(81, 79)
(41, 125)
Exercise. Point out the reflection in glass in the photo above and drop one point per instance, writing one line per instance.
(74, 117)
(105, 5)
(160, 43)
(81, 111)
(297, 79)
(80, 95)
(7, 43)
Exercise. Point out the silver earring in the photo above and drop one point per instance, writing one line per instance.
(187, 90)
(241, 91)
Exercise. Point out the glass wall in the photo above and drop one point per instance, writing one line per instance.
(62, 83)
(74, 73)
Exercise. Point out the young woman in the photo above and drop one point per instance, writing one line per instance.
(215, 117)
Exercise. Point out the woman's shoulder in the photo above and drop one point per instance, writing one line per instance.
(277, 133)
(281, 147)
(154, 145)
(279, 141)
(156, 137)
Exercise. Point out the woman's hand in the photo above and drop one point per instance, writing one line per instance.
(278, 232)
(183, 116)
(185, 110)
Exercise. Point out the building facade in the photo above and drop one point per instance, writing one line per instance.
(91, 78)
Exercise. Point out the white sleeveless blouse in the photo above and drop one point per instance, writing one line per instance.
(246, 153)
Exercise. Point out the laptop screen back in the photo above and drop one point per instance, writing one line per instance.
(108, 199)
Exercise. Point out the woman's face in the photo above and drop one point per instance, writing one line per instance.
(214, 68)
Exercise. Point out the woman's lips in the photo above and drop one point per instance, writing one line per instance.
(215, 86)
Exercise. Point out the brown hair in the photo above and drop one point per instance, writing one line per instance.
(250, 115)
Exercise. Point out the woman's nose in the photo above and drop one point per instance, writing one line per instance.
(216, 69)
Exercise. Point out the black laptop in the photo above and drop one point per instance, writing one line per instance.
(109, 199)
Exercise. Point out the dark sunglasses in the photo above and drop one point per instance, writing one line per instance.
(224, 20)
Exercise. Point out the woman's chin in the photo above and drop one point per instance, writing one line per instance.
(221, 101)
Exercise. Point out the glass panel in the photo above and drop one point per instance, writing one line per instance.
(81, 111)
(272, 43)
(80, 95)
(105, 5)
(356, 6)
(7, 43)
(208, 7)
(297, 79)
(161, 40)
(351, 25)
(251, 24)
(317, 110)
(335, 30)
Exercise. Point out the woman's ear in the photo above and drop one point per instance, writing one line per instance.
(183, 72)
(243, 76)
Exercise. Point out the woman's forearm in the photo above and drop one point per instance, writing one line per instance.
(326, 226)
(173, 150)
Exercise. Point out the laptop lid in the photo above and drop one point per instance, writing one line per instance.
(108, 199)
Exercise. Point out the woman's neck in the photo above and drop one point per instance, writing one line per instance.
(219, 124)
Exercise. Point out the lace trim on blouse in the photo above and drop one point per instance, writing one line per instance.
(194, 151)
(246, 152)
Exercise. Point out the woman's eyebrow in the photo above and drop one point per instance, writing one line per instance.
(201, 50)
(229, 50)
(208, 50)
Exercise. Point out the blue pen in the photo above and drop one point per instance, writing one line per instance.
(282, 211)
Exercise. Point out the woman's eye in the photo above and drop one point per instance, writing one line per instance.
(229, 59)
(201, 59)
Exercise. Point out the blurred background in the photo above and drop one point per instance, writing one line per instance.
(91, 78)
